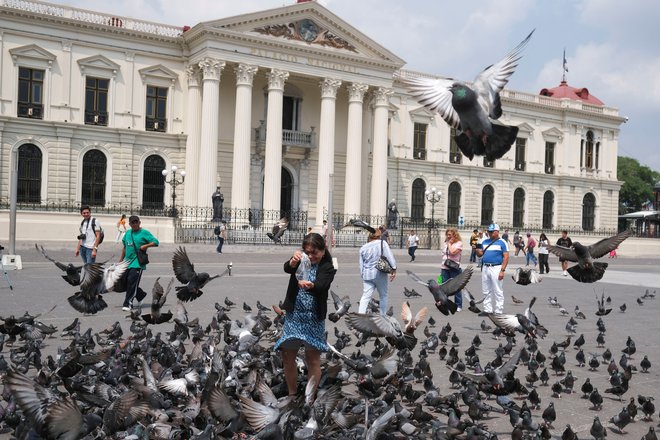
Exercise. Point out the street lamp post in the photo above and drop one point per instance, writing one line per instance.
(174, 182)
(433, 196)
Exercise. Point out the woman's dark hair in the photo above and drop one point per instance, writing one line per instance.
(314, 240)
(542, 236)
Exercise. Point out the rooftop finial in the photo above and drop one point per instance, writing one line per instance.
(565, 68)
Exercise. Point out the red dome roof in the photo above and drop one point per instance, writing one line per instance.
(566, 91)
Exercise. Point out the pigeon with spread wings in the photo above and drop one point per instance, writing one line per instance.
(376, 324)
(473, 108)
(493, 380)
(184, 271)
(159, 296)
(97, 281)
(525, 276)
(526, 323)
(587, 270)
(75, 275)
(441, 292)
(362, 224)
(278, 230)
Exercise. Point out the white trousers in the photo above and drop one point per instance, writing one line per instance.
(492, 288)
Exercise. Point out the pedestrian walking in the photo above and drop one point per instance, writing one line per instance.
(90, 236)
(221, 234)
(474, 239)
(137, 239)
(564, 241)
(543, 253)
(518, 243)
(452, 250)
(413, 242)
(121, 228)
(372, 278)
(495, 257)
(529, 250)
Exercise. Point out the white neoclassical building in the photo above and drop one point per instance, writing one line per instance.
(272, 107)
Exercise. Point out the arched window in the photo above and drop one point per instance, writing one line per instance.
(153, 183)
(454, 203)
(519, 208)
(487, 199)
(29, 174)
(588, 212)
(94, 167)
(548, 206)
(417, 200)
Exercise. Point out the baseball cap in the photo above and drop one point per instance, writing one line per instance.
(493, 227)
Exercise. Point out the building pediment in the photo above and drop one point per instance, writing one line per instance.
(305, 26)
(422, 112)
(32, 55)
(98, 63)
(553, 134)
(525, 129)
(158, 75)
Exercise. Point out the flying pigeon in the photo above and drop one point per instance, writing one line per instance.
(525, 276)
(472, 109)
(193, 282)
(278, 230)
(587, 270)
(440, 292)
(159, 296)
(526, 323)
(361, 224)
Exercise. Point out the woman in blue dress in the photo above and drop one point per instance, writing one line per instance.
(306, 306)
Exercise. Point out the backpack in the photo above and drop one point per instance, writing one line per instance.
(101, 236)
(216, 230)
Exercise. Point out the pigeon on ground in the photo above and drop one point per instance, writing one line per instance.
(278, 230)
(472, 109)
(524, 276)
(193, 282)
(440, 292)
(587, 270)
(601, 305)
(492, 380)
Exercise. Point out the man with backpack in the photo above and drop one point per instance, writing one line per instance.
(90, 237)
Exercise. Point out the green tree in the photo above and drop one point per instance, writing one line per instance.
(638, 182)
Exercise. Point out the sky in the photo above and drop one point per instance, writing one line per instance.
(609, 45)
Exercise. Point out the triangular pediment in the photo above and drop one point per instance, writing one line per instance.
(422, 112)
(308, 26)
(553, 133)
(98, 62)
(32, 52)
(158, 73)
(525, 128)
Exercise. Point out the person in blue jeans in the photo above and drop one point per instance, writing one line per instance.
(451, 251)
(372, 278)
(134, 239)
(529, 250)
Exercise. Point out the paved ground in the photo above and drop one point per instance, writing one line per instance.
(257, 275)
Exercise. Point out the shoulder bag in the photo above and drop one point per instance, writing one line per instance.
(451, 264)
(383, 265)
(142, 256)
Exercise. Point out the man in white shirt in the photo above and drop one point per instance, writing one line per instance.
(89, 237)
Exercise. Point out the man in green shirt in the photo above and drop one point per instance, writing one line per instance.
(134, 239)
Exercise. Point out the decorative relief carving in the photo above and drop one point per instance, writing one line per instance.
(276, 79)
(211, 68)
(382, 96)
(306, 30)
(329, 87)
(245, 74)
(356, 91)
(193, 75)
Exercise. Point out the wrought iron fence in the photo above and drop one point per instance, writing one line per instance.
(56, 205)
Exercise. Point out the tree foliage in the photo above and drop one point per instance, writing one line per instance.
(638, 182)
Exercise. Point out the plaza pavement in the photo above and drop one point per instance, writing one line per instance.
(257, 275)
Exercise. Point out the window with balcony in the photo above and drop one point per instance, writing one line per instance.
(156, 109)
(453, 203)
(588, 212)
(417, 200)
(94, 167)
(548, 208)
(419, 141)
(487, 200)
(518, 208)
(455, 155)
(30, 93)
(96, 101)
(550, 158)
(521, 144)
(29, 174)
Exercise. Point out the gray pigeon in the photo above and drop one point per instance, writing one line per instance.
(473, 108)
(450, 287)
(524, 276)
(587, 270)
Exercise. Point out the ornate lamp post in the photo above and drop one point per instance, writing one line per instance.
(174, 182)
(433, 196)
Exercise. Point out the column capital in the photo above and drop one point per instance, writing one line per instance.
(193, 75)
(245, 74)
(276, 79)
(329, 87)
(211, 68)
(356, 92)
(382, 97)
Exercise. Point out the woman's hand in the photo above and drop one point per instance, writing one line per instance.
(305, 284)
(393, 275)
(295, 259)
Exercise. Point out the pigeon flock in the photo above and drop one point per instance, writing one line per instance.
(163, 374)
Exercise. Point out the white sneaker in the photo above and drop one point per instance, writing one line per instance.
(126, 309)
(565, 274)
(458, 309)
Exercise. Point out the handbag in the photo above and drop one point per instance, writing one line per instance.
(142, 256)
(451, 264)
(383, 265)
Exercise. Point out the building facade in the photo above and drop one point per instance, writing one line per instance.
(272, 107)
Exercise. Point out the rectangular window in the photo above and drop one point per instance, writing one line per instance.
(156, 109)
(520, 153)
(550, 158)
(489, 163)
(597, 155)
(30, 93)
(419, 141)
(96, 101)
(455, 155)
(589, 156)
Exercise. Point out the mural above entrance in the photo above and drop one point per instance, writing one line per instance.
(306, 30)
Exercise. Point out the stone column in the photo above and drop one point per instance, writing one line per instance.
(379, 157)
(194, 128)
(240, 180)
(273, 162)
(352, 197)
(326, 165)
(208, 167)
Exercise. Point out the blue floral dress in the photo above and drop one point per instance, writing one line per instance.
(302, 327)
